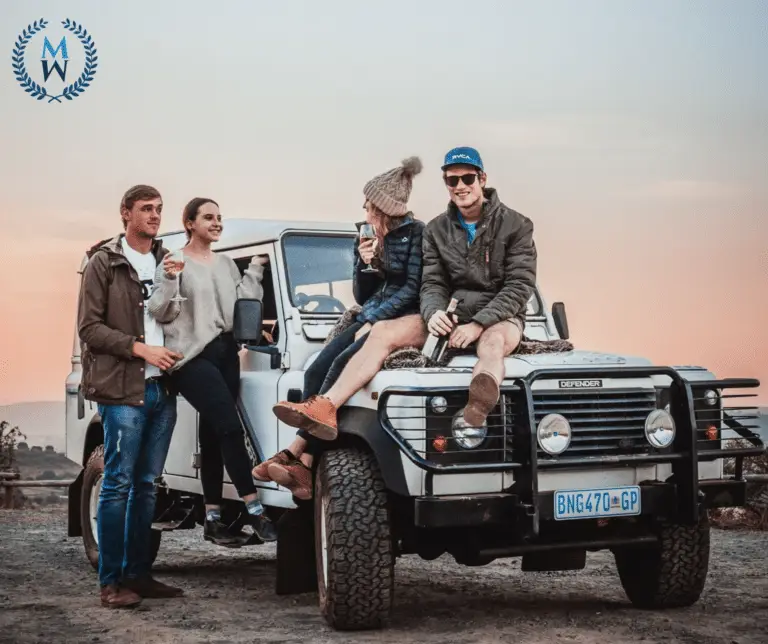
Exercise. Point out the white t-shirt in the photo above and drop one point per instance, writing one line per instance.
(145, 266)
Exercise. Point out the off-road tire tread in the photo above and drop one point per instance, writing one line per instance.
(360, 585)
(671, 575)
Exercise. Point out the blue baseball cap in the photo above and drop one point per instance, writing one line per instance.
(463, 156)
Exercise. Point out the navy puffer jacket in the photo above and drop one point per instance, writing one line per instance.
(394, 290)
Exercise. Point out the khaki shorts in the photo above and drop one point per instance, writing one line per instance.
(512, 341)
(518, 323)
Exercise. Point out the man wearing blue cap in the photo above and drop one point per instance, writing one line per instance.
(482, 253)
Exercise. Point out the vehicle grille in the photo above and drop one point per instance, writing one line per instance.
(603, 423)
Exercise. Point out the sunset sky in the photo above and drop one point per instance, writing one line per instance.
(633, 134)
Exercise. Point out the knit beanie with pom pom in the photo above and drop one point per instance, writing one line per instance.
(389, 191)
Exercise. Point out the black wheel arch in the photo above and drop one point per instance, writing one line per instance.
(360, 425)
(94, 436)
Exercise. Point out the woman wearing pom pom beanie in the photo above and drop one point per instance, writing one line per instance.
(389, 320)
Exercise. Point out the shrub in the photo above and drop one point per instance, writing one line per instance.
(9, 436)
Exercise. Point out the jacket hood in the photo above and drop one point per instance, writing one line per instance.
(112, 246)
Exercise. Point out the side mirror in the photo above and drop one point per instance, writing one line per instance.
(246, 326)
(561, 320)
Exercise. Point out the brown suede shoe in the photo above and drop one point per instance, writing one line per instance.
(261, 471)
(149, 587)
(483, 396)
(316, 415)
(296, 477)
(113, 596)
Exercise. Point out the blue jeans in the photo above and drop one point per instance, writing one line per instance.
(136, 442)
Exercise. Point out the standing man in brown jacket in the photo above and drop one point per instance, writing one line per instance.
(123, 359)
(482, 253)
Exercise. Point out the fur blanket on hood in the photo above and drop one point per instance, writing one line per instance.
(411, 357)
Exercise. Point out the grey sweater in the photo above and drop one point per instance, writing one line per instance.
(211, 292)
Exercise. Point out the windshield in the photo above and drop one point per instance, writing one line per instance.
(319, 269)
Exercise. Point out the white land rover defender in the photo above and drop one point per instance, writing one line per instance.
(585, 451)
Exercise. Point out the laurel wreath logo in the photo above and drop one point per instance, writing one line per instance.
(70, 91)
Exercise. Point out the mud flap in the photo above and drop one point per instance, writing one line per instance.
(296, 572)
(553, 561)
(74, 527)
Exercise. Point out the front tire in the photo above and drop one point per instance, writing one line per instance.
(353, 541)
(671, 574)
(89, 504)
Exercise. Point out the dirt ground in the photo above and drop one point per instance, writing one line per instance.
(48, 593)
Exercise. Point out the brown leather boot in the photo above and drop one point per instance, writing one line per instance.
(316, 415)
(113, 596)
(149, 587)
(261, 471)
(295, 477)
(483, 395)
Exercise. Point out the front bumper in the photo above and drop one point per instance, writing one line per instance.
(657, 499)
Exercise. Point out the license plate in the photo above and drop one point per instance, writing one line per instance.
(598, 502)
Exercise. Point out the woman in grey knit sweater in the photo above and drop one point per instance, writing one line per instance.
(208, 375)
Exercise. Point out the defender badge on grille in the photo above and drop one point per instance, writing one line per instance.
(580, 384)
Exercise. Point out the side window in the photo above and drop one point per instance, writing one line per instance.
(270, 331)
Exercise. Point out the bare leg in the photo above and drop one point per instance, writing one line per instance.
(495, 343)
(385, 337)
(298, 446)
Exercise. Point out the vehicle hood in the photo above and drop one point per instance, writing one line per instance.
(520, 365)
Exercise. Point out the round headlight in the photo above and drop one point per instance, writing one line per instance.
(554, 434)
(467, 437)
(711, 397)
(438, 404)
(660, 428)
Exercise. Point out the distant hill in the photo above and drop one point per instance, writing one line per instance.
(42, 422)
(47, 465)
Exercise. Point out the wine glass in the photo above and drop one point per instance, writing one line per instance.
(178, 257)
(367, 231)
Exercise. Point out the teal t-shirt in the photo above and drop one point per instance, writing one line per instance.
(470, 228)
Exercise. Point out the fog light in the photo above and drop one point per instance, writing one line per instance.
(467, 437)
(660, 428)
(710, 396)
(554, 434)
(438, 404)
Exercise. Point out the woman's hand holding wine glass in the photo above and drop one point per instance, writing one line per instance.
(173, 264)
(367, 247)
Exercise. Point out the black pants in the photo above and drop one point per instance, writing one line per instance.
(326, 369)
(210, 382)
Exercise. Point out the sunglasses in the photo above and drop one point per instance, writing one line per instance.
(468, 179)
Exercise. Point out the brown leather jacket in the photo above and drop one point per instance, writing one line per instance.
(110, 318)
